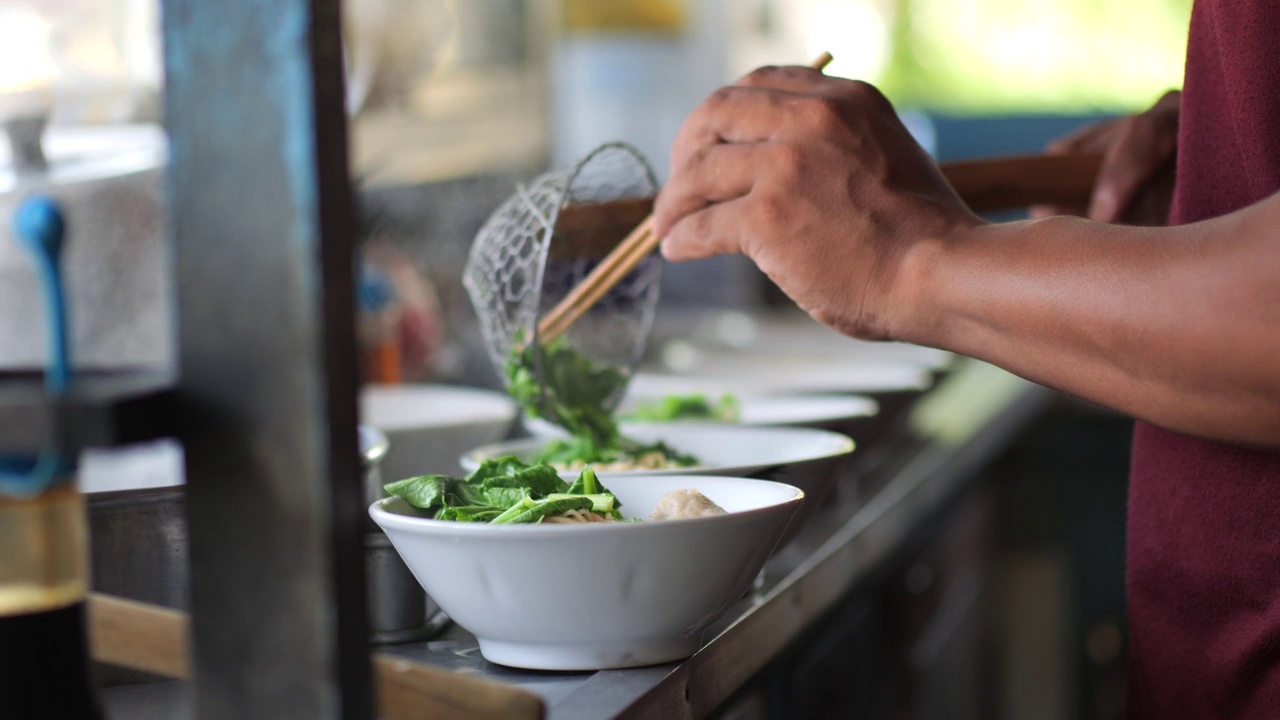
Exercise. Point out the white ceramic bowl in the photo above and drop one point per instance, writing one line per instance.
(429, 426)
(602, 595)
(825, 412)
(721, 449)
(820, 374)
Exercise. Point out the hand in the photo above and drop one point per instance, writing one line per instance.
(1135, 184)
(816, 180)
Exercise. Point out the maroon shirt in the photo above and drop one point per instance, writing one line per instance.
(1204, 517)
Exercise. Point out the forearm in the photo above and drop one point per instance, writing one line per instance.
(1176, 326)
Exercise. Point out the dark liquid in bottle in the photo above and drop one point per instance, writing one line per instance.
(44, 667)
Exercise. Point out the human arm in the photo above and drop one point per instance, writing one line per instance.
(1176, 326)
(816, 180)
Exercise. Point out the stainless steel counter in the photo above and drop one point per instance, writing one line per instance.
(894, 491)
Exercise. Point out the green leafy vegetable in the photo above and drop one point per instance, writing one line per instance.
(601, 502)
(535, 511)
(575, 394)
(427, 491)
(687, 407)
(587, 483)
(524, 494)
(573, 450)
(565, 451)
(505, 497)
(469, 513)
(496, 467)
(542, 480)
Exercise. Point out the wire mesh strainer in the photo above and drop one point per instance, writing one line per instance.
(541, 243)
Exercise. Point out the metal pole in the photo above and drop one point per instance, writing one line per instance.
(261, 213)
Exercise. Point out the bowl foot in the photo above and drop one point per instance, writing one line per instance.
(587, 656)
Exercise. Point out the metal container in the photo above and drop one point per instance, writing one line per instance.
(139, 550)
(108, 181)
(399, 609)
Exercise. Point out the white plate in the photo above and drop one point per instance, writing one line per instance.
(786, 375)
(429, 426)
(804, 410)
(799, 410)
(601, 595)
(720, 449)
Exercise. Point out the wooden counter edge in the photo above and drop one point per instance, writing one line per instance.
(155, 639)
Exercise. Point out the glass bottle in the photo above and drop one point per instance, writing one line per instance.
(45, 671)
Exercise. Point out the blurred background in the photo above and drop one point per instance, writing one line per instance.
(454, 102)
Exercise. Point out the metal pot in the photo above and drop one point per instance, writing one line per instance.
(138, 550)
(108, 180)
(399, 609)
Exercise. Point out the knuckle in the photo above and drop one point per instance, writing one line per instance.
(788, 162)
(770, 209)
(861, 89)
(762, 74)
(819, 113)
(721, 95)
(698, 157)
(864, 92)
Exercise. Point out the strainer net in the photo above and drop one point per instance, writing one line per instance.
(519, 266)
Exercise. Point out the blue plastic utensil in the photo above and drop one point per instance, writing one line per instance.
(39, 226)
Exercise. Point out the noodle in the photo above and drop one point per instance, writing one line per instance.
(654, 460)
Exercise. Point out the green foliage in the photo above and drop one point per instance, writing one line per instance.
(535, 511)
(687, 407)
(1012, 56)
(575, 394)
(505, 491)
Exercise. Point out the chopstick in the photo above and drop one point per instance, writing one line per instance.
(638, 245)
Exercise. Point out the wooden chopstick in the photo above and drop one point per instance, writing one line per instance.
(623, 259)
(613, 268)
(156, 639)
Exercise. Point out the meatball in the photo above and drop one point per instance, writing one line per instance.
(682, 504)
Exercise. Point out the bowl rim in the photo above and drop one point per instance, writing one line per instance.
(431, 526)
(493, 406)
(854, 378)
(840, 444)
(834, 407)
